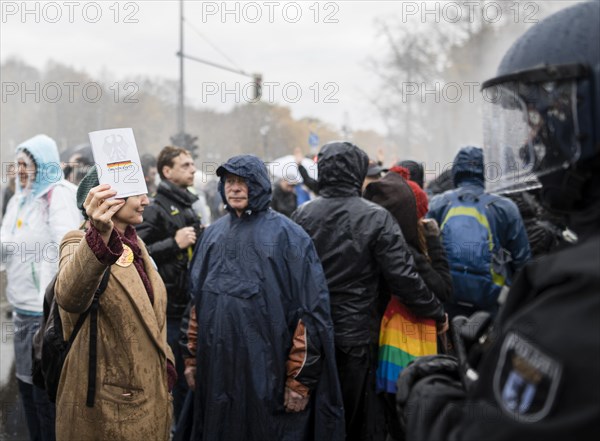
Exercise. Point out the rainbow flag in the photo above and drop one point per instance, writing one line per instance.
(402, 338)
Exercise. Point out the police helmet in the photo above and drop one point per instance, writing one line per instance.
(542, 109)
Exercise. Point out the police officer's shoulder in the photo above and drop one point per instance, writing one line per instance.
(526, 379)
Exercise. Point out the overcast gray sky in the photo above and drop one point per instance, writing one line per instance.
(311, 65)
(312, 54)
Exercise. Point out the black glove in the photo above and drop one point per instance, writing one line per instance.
(424, 388)
(422, 367)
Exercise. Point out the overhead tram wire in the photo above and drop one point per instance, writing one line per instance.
(214, 46)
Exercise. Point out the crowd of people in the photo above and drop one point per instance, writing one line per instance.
(366, 304)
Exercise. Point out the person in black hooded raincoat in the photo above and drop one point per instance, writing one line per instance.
(360, 244)
(265, 364)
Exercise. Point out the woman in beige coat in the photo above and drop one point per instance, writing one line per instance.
(135, 367)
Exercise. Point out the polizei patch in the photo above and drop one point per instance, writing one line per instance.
(526, 380)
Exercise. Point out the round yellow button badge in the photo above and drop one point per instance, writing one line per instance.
(126, 258)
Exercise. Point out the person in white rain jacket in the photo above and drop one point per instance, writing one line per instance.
(42, 210)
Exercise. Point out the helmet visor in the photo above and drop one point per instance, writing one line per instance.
(530, 130)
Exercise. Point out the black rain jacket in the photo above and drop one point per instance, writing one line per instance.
(170, 210)
(359, 241)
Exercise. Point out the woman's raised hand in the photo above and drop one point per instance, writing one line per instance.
(100, 209)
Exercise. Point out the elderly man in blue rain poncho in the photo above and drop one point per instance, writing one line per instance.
(265, 366)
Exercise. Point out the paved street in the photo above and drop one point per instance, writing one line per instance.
(12, 419)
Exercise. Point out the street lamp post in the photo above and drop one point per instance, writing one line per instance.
(181, 138)
(181, 103)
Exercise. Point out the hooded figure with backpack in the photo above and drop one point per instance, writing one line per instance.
(37, 217)
(117, 376)
(360, 245)
(484, 236)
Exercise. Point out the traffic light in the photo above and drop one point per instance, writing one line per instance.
(257, 78)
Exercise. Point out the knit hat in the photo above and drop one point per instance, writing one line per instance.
(420, 195)
(87, 183)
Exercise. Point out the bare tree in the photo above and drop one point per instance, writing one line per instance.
(420, 57)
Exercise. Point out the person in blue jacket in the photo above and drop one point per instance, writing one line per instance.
(265, 363)
(484, 236)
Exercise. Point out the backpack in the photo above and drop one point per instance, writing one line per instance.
(477, 263)
(50, 349)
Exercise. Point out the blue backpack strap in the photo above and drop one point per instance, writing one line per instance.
(498, 277)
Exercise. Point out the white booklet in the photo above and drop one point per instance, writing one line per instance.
(118, 161)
